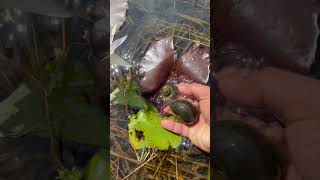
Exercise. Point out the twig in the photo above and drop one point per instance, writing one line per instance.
(140, 167)
(63, 35)
(35, 45)
(192, 40)
(149, 166)
(10, 84)
(55, 150)
(134, 52)
(118, 169)
(193, 19)
(155, 173)
(135, 48)
(174, 28)
(134, 149)
(177, 175)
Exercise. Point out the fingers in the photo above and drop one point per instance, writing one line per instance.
(285, 93)
(199, 136)
(200, 92)
(175, 127)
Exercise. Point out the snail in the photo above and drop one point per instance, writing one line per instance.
(186, 111)
(244, 153)
(168, 93)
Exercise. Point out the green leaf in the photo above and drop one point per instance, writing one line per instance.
(128, 95)
(75, 119)
(113, 94)
(117, 60)
(53, 8)
(76, 116)
(29, 114)
(8, 106)
(145, 131)
(97, 169)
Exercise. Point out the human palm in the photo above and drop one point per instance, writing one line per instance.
(199, 133)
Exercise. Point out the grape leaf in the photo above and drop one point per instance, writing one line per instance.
(145, 131)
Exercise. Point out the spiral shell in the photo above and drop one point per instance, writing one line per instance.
(168, 93)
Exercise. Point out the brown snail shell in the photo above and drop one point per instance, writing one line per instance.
(186, 111)
(244, 153)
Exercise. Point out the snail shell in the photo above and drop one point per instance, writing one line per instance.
(244, 153)
(186, 111)
(168, 93)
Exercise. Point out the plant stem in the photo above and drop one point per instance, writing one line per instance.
(35, 45)
(54, 145)
(63, 35)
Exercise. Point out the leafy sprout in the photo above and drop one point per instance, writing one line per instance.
(128, 94)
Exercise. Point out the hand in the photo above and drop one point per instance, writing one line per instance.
(199, 133)
(294, 99)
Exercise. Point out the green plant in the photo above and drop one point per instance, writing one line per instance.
(145, 131)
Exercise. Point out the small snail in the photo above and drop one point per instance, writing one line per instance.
(186, 111)
(168, 93)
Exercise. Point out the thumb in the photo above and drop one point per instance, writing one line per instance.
(175, 127)
(199, 136)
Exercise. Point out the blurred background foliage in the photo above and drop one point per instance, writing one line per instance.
(52, 89)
